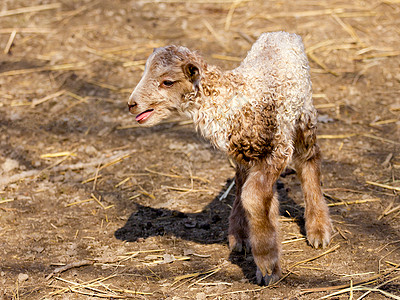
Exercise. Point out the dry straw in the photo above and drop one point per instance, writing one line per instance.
(10, 41)
(31, 9)
(357, 43)
(62, 67)
(344, 288)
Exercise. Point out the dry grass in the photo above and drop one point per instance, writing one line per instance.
(99, 46)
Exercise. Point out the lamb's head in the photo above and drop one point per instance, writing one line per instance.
(170, 73)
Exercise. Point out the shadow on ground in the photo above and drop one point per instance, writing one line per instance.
(209, 226)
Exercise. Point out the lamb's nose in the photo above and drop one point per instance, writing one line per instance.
(131, 106)
(132, 103)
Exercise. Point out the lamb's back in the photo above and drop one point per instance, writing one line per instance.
(273, 48)
(276, 57)
(276, 69)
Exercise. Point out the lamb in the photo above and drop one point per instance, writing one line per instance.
(261, 114)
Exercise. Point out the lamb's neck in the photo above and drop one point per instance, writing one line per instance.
(211, 109)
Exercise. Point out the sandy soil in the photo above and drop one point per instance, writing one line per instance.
(91, 206)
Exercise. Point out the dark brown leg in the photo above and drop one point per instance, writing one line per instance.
(238, 233)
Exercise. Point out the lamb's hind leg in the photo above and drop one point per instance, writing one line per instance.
(261, 207)
(307, 161)
(238, 233)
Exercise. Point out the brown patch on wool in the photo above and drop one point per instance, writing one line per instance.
(253, 134)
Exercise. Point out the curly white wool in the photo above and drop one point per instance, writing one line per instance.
(275, 71)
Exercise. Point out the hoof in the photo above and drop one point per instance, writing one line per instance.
(319, 240)
(268, 279)
(319, 236)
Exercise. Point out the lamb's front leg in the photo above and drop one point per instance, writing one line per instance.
(261, 206)
(238, 233)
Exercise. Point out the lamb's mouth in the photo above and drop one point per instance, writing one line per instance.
(143, 116)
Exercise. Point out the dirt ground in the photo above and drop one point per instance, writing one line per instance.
(92, 206)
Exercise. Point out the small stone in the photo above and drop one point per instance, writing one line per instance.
(36, 163)
(9, 165)
(187, 252)
(325, 119)
(22, 277)
(39, 249)
(201, 296)
(168, 258)
(90, 150)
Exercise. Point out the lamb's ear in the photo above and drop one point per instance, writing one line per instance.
(192, 72)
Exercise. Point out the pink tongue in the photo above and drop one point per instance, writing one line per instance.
(144, 115)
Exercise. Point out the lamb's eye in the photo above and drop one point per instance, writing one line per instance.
(167, 83)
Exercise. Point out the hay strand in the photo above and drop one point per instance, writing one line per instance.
(98, 200)
(62, 67)
(77, 264)
(293, 240)
(26, 30)
(6, 200)
(47, 98)
(378, 286)
(380, 139)
(343, 286)
(30, 9)
(361, 201)
(385, 186)
(302, 14)
(105, 292)
(336, 136)
(117, 160)
(79, 202)
(215, 34)
(226, 57)
(57, 154)
(206, 276)
(122, 182)
(379, 55)
(383, 122)
(91, 179)
(229, 16)
(10, 42)
(361, 288)
(348, 28)
(315, 257)
(188, 277)
(321, 64)
(226, 193)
